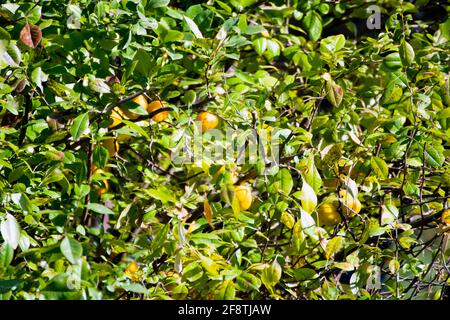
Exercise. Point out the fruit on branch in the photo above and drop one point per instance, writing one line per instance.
(351, 203)
(118, 114)
(445, 218)
(104, 187)
(112, 145)
(155, 105)
(244, 196)
(328, 214)
(208, 120)
(141, 100)
(116, 117)
(132, 270)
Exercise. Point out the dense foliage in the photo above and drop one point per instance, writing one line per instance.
(93, 205)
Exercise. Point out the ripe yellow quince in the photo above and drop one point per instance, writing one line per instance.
(132, 267)
(116, 116)
(155, 105)
(141, 100)
(112, 145)
(445, 218)
(105, 184)
(132, 270)
(208, 120)
(351, 203)
(328, 214)
(244, 196)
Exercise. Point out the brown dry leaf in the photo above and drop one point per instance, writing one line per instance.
(207, 212)
(31, 35)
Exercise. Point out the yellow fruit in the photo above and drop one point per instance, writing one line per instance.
(445, 218)
(112, 145)
(351, 203)
(100, 189)
(132, 268)
(244, 196)
(328, 214)
(141, 100)
(155, 105)
(116, 116)
(94, 169)
(208, 120)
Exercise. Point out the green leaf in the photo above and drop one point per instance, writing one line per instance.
(6, 255)
(271, 274)
(313, 23)
(308, 197)
(8, 285)
(79, 126)
(100, 156)
(136, 128)
(158, 3)
(334, 246)
(334, 92)
(99, 85)
(161, 194)
(332, 44)
(71, 249)
(312, 175)
(260, 45)
(389, 214)
(192, 272)
(145, 62)
(445, 29)
(4, 35)
(10, 53)
(379, 167)
(134, 287)
(226, 291)
(99, 208)
(411, 189)
(391, 94)
(298, 237)
(247, 281)
(308, 224)
(210, 266)
(5, 164)
(393, 61)
(10, 231)
(273, 49)
(304, 274)
(23, 201)
(160, 238)
(172, 36)
(285, 181)
(53, 176)
(38, 76)
(406, 53)
(434, 156)
(193, 27)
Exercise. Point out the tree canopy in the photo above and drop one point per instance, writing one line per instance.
(351, 202)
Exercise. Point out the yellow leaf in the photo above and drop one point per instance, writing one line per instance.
(308, 198)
